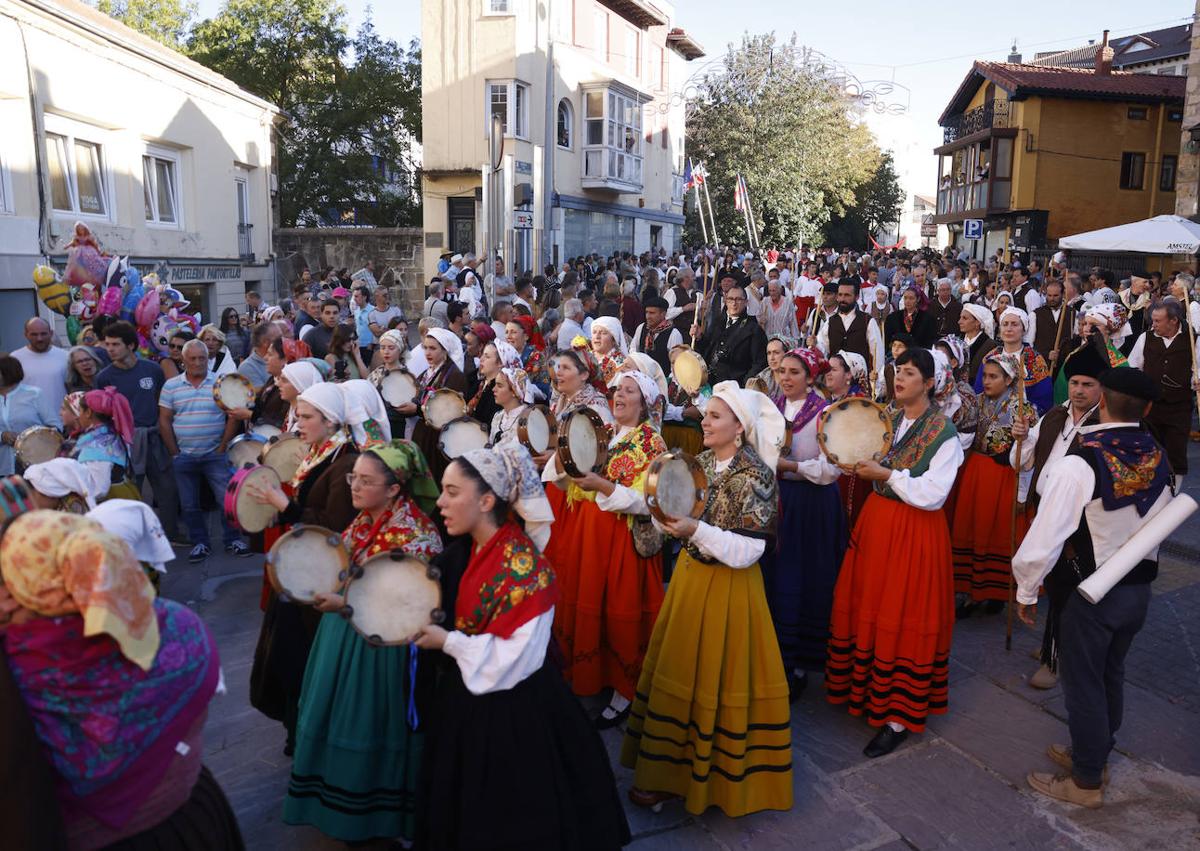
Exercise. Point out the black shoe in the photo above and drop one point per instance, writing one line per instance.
(796, 686)
(289, 749)
(964, 611)
(885, 741)
(607, 719)
(993, 607)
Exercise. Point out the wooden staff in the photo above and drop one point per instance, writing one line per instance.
(1062, 316)
(1012, 584)
(699, 314)
(1187, 320)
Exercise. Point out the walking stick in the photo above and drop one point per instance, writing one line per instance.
(1012, 585)
(696, 317)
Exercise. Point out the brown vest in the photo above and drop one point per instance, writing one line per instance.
(1171, 368)
(1047, 331)
(684, 321)
(1049, 431)
(852, 339)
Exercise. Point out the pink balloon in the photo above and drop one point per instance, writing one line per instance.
(147, 310)
(110, 302)
(86, 265)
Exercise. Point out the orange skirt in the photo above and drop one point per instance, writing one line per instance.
(893, 616)
(609, 597)
(981, 531)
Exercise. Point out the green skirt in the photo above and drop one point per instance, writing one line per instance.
(356, 764)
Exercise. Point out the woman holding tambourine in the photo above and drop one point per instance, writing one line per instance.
(511, 389)
(893, 607)
(610, 592)
(496, 355)
(444, 354)
(320, 495)
(710, 721)
(357, 762)
(848, 378)
(801, 572)
(393, 348)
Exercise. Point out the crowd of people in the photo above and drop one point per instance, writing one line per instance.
(1034, 417)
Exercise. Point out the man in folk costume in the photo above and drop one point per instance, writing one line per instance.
(978, 327)
(1165, 354)
(1049, 439)
(681, 300)
(1092, 502)
(737, 349)
(1026, 294)
(1137, 305)
(851, 329)
(1044, 324)
(657, 335)
(817, 318)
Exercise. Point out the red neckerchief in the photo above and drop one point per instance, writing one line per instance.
(362, 532)
(507, 583)
(651, 333)
(908, 321)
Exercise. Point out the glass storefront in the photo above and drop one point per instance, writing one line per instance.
(602, 233)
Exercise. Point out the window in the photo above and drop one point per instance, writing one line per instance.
(656, 68)
(614, 137)
(1166, 174)
(633, 42)
(498, 7)
(1137, 113)
(566, 123)
(160, 187)
(509, 101)
(1174, 115)
(77, 169)
(1169, 71)
(600, 34)
(1133, 170)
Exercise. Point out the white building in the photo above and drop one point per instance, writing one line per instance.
(166, 161)
(606, 75)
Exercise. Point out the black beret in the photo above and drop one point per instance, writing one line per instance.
(656, 301)
(1086, 361)
(1131, 382)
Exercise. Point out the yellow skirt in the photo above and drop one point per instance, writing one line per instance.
(710, 721)
(683, 437)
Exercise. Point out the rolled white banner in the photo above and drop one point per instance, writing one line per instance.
(1139, 545)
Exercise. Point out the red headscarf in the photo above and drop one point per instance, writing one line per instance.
(531, 331)
(114, 406)
(294, 350)
(486, 333)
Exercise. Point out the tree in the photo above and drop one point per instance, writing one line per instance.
(784, 122)
(167, 21)
(876, 207)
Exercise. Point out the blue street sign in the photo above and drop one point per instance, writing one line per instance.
(973, 229)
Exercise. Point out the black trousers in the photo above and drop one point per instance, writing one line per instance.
(1171, 425)
(1092, 646)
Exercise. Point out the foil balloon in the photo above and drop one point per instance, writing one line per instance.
(133, 294)
(52, 290)
(160, 333)
(86, 263)
(73, 327)
(147, 310)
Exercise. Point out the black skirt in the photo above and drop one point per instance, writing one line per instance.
(205, 822)
(280, 657)
(517, 769)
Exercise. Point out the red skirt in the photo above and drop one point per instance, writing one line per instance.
(981, 531)
(893, 616)
(609, 597)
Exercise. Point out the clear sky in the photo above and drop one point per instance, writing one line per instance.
(922, 45)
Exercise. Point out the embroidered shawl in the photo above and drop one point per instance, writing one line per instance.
(915, 450)
(400, 526)
(1131, 468)
(743, 498)
(100, 443)
(609, 364)
(993, 434)
(318, 454)
(814, 403)
(507, 583)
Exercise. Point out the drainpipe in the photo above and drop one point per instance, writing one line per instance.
(549, 142)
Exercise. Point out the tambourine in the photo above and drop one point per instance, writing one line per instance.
(583, 442)
(245, 449)
(283, 454)
(461, 436)
(536, 429)
(854, 430)
(689, 371)
(244, 511)
(398, 388)
(233, 390)
(307, 561)
(442, 407)
(758, 384)
(266, 431)
(675, 486)
(37, 445)
(391, 596)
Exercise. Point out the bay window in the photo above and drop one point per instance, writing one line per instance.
(613, 143)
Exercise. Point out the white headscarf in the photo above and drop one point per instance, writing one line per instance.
(449, 341)
(522, 387)
(363, 403)
(1113, 316)
(302, 375)
(327, 399)
(510, 358)
(857, 366)
(649, 389)
(984, 316)
(941, 371)
(60, 477)
(136, 524)
(613, 327)
(761, 420)
(510, 472)
(645, 363)
(1017, 312)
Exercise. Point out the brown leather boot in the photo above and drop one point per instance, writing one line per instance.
(1062, 787)
(1043, 678)
(1061, 754)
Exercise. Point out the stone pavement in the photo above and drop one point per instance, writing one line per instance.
(960, 785)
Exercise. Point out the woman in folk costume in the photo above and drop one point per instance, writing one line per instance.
(710, 721)
(513, 392)
(893, 608)
(270, 408)
(777, 345)
(366, 414)
(104, 443)
(982, 533)
(522, 334)
(495, 356)
(848, 378)
(513, 761)
(319, 495)
(444, 355)
(609, 592)
(294, 379)
(608, 345)
(955, 397)
(117, 685)
(60, 484)
(1039, 386)
(136, 524)
(681, 428)
(355, 772)
(393, 348)
(800, 572)
(1104, 326)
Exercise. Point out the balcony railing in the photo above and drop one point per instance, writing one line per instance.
(978, 197)
(994, 113)
(246, 242)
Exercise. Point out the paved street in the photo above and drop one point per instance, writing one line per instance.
(961, 785)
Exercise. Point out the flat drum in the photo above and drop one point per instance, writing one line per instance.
(462, 435)
(854, 430)
(398, 388)
(307, 561)
(444, 406)
(675, 486)
(37, 444)
(536, 429)
(245, 449)
(241, 509)
(583, 442)
(689, 371)
(266, 431)
(391, 596)
(233, 390)
(283, 454)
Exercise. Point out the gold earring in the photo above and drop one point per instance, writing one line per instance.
(739, 441)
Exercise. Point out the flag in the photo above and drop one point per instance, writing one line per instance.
(689, 180)
(699, 173)
(739, 195)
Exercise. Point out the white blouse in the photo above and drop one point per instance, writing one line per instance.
(504, 424)
(929, 490)
(729, 548)
(806, 452)
(489, 663)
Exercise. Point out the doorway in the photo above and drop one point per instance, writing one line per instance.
(461, 225)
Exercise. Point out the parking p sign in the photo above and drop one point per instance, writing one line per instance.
(973, 229)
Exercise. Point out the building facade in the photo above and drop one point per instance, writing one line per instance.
(1162, 51)
(1188, 194)
(1039, 153)
(167, 162)
(604, 77)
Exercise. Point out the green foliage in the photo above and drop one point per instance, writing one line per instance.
(784, 122)
(167, 21)
(876, 207)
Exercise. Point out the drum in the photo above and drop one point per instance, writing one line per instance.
(443, 406)
(37, 444)
(854, 430)
(307, 561)
(398, 388)
(462, 435)
(245, 449)
(391, 596)
(689, 372)
(266, 431)
(283, 454)
(536, 429)
(758, 384)
(233, 390)
(675, 486)
(241, 509)
(583, 442)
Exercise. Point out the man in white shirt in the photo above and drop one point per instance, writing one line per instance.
(45, 364)
(1164, 353)
(849, 329)
(572, 324)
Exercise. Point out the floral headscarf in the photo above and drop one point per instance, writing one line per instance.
(365, 413)
(510, 358)
(958, 349)
(511, 474)
(405, 459)
(814, 362)
(1113, 317)
(113, 405)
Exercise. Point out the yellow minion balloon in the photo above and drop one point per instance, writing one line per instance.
(51, 290)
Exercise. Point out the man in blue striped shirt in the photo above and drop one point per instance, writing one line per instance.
(196, 432)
